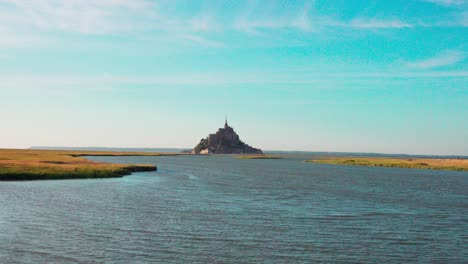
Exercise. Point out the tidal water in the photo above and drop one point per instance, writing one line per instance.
(218, 209)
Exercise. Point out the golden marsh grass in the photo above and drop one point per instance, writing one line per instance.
(412, 163)
(56, 164)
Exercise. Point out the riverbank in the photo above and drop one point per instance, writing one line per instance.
(410, 163)
(18, 165)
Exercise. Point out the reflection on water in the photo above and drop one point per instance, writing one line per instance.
(221, 209)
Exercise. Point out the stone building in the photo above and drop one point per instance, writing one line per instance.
(225, 141)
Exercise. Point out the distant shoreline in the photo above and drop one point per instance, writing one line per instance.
(266, 152)
(408, 163)
(29, 164)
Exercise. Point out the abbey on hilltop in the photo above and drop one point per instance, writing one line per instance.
(225, 141)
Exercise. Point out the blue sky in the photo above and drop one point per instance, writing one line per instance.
(363, 76)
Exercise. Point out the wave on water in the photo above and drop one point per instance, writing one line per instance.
(191, 176)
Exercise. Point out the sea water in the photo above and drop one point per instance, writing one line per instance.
(219, 209)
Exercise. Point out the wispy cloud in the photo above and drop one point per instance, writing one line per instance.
(297, 20)
(205, 42)
(85, 16)
(366, 23)
(35, 23)
(446, 2)
(110, 83)
(205, 23)
(464, 19)
(304, 23)
(447, 58)
(28, 23)
(256, 26)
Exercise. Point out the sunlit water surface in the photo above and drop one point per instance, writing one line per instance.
(199, 209)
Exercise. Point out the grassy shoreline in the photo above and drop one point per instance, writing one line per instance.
(21, 165)
(409, 163)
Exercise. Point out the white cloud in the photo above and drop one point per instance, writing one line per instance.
(444, 59)
(203, 41)
(80, 16)
(302, 20)
(205, 23)
(366, 23)
(111, 83)
(35, 23)
(255, 20)
(21, 41)
(255, 26)
(464, 19)
(304, 23)
(446, 2)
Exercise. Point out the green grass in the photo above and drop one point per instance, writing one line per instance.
(258, 157)
(54, 164)
(416, 163)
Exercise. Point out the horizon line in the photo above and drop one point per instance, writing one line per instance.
(270, 150)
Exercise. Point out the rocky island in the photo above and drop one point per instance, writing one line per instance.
(225, 141)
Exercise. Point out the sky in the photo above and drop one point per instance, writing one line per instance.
(350, 76)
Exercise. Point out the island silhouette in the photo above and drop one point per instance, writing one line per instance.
(225, 141)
